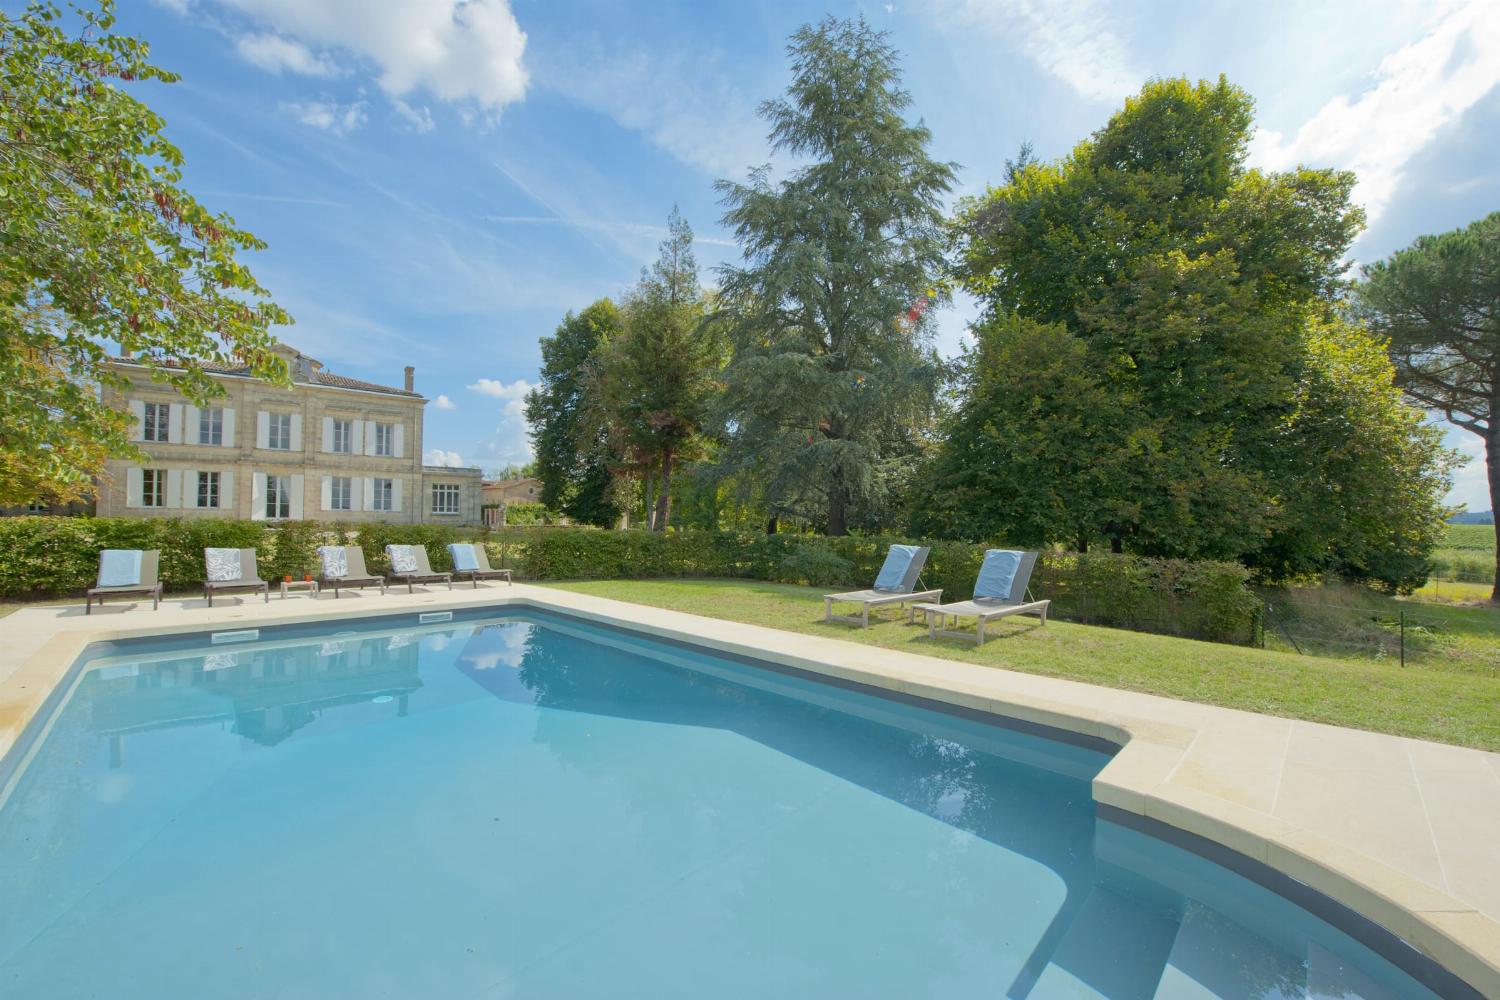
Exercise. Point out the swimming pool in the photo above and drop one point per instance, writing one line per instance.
(529, 806)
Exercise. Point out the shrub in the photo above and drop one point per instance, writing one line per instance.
(1205, 600)
(524, 514)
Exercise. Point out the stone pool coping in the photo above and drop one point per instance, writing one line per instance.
(1403, 832)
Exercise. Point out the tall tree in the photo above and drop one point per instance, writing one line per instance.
(832, 372)
(1186, 279)
(572, 460)
(655, 380)
(100, 244)
(1438, 301)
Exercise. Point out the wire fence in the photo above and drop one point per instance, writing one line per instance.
(1375, 632)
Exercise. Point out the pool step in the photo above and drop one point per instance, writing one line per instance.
(1114, 949)
(1212, 958)
(1329, 977)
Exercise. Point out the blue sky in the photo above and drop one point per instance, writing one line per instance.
(441, 180)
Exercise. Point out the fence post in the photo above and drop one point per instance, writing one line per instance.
(1403, 637)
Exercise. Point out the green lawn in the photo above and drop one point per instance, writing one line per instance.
(1429, 700)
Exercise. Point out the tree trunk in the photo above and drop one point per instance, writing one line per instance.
(649, 512)
(772, 524)
(1492, 459)
(664, 498)
(838, 510)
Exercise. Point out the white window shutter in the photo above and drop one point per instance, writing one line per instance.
(399, 449)
(327, 444)
(357, 446)
(174, 488)
(396, 495)
(258, 496)
(132, 487)
(296, 432)
(138, 413)
(226, 490)
(327, 493)
(369, 431)
(191, 428)
(368, 489)
(262, 430)
(174, 423)
(190, 487)
(228, 427)
(296, 512)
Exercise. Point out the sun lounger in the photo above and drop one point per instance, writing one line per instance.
(895, 584)
(344, 566)
(1000, 591)
(471, 562)
(416, 570)
(125, 573)
(221, 563)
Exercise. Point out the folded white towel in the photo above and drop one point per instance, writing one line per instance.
(119, 567)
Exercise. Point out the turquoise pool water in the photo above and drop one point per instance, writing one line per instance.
(528, 807)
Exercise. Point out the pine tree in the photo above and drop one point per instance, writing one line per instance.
(832, 375)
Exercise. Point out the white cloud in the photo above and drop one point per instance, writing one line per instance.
(444, 459)
(683, 101)
(444, 403)
(511, 441)
(330, 116)
(1071, 39)
(419, 118)
(175, 6)
(275, 54)
(1416, 91)
(464, 51)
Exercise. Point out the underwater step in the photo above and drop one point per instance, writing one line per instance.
(1114, 949)
(1212, 958)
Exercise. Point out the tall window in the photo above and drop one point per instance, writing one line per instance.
(342, 494)
(279, 432)
(208, 489)
(153, 487)
(385, 440)
(384, 494)
(211, 426)
(343, 436)
(278, 497)
(444, 498)
(157, 417)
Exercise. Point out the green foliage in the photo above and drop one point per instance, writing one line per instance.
(1157, 366)
(1436, 302)
(523, 513)
(832, 378)
(374, 537)
(572, 462)
(814, 565)
(1206, 600)
(60, 555)
(1360, 476)
(99, 244)
(651, 384)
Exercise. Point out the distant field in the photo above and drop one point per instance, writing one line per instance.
(1480, 537)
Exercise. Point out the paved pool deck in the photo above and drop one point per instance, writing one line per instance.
(1404, 832)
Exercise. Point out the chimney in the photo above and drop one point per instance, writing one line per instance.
(411, 374)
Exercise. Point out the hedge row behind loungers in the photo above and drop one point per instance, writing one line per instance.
(1205, 600)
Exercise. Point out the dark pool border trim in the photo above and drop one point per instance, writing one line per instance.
(1383, 942)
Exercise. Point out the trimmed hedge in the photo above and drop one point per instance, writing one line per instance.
(1204, 600)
